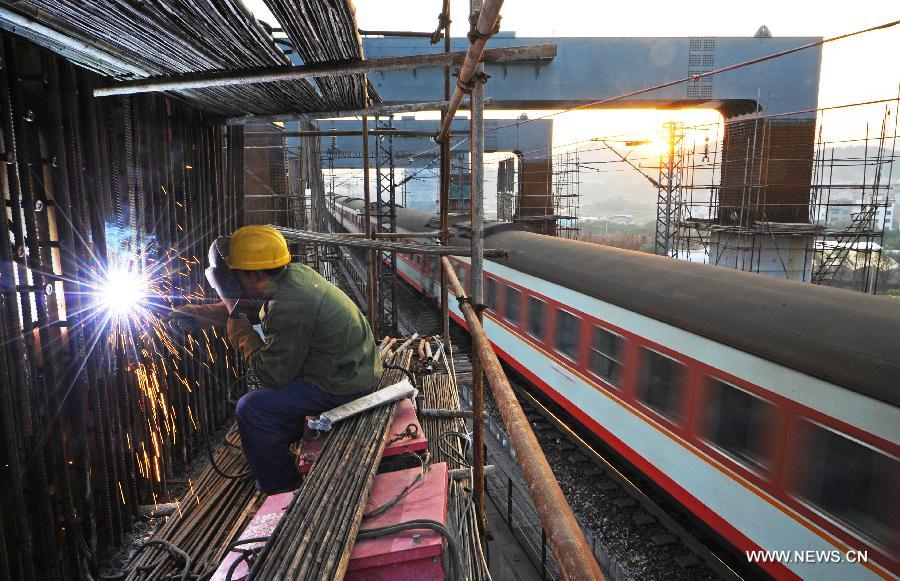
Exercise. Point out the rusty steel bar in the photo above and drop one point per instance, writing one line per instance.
(574, 557)
(371, 278)
(445, 173)
(476, 138)
(371, 111)
(389, 235)
(355, 133)
(205, 80)
(484, 29)
(395, 33)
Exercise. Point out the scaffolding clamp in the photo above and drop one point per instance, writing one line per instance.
(474, 34)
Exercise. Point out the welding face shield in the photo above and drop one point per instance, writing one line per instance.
(226, 284)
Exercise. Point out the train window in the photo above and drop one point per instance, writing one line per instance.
(511, 312)
(606, 355)
(537, 317)
(662, 384)
(419, 261)
(738, 422)
(850, 481)
(491, 293)
(565, 336)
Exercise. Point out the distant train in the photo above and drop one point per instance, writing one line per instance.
(766, 407)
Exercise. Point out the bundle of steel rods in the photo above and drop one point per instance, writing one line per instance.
(448, 441)
(323, 32)
(163, 37)
(294, 235)
(314, 538)
(97, 414)
(462, 520)
(210, 514)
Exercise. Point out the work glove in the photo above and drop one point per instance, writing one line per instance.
(242, 336)
(190, 318)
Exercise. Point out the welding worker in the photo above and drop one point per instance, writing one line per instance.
(317, 353)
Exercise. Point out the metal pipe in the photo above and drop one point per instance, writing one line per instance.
(484, 29)
(566, 539)
(476, 127)
(396, 33)
(354, 133)
(445, 414)
(444, 207)
(464, 473)
(372, 110)
(205, 80)
(293, 235)
(371, 279)
(390, 235)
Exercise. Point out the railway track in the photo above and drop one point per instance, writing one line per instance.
(637, 531)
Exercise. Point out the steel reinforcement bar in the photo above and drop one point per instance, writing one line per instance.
(314, 538)
(563, 532)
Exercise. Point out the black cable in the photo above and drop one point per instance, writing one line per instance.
(215, 466)
(245, 556)
(421, 524)
(417, 482)
(467, 444)
(172, 550)
(409, 374)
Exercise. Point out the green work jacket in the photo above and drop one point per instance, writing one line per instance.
(313, 331)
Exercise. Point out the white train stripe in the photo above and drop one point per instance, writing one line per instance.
(864, 412)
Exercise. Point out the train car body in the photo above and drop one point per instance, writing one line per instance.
(767, 408)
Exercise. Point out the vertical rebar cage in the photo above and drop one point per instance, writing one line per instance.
(99, 411)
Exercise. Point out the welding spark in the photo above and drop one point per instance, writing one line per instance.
(123, 293)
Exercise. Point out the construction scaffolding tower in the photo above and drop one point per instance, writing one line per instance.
(386, 220)
(566, 193)
(775, 197)
(669, 190)
(506, 189)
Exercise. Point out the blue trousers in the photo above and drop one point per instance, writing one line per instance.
(270, 419)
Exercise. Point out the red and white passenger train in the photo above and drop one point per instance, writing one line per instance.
(768, 408)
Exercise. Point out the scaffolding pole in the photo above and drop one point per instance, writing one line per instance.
(476, 128)
(484, 28)
(206, 80)
(564, 535)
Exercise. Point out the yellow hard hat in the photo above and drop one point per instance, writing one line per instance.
(257, 248)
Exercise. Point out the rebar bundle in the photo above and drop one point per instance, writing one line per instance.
(314, 538)
(163, 37)
(448, 441)
(96, 413)
(322, 32)
(210, 514)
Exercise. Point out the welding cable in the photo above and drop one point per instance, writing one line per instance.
(409, 374)
(467, 444)
(417, 483)
(246, 554)
(434, 525)
(212, 460)
(173, 552)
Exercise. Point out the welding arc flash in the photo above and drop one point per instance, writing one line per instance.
(123, 292)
